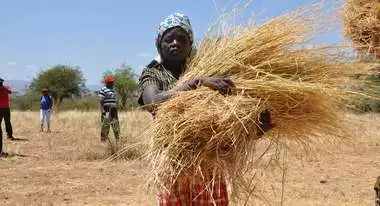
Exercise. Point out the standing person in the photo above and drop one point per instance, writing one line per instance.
(46, 104)
(109, 117)
(174, 43)
(5, 113)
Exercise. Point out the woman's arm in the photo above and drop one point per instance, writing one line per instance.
(152, 95)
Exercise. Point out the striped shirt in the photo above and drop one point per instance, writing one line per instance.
(156, 74)
(108, 96)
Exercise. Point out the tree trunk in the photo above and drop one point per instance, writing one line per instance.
(58, 101)
(123, 102)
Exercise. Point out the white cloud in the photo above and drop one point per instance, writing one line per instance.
(28, 66)
(12, 63)
(145, 55)
(90, 33)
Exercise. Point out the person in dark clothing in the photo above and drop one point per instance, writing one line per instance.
(109, 117)
(5, 113)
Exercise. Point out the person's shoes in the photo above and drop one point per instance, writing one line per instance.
(103, 139)
(3, 154)
(48, 131)
(11, 138)
(42, 130)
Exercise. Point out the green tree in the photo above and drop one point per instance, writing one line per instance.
(62, 81)
(125, 84)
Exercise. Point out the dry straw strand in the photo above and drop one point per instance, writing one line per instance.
(362, 25)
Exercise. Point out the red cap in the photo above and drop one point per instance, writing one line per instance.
(45, 90)
(109, 79)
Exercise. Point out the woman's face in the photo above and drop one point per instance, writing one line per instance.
(175, 45)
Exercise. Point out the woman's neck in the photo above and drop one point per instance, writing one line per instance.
(176, 68)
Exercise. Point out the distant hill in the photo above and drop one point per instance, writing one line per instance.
(19, 86)
(93, 87)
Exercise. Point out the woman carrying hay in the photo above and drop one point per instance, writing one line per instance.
(174, 44)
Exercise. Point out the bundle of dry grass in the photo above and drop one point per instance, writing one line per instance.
(201, 132)
(362, 25)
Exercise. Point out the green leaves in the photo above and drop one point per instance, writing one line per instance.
(62, 81)
(125, 84)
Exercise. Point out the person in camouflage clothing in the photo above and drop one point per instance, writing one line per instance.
(108, 104)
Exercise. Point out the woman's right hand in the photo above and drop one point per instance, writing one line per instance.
(222, 84)
(265, 122)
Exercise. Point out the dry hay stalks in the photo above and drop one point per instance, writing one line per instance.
(362, 25)
(201, 132)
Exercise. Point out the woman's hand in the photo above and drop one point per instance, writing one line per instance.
(265, 122)
(222, 84)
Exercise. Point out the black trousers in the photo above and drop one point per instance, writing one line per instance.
(6, 114)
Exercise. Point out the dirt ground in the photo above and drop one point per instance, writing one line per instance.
(67, 167)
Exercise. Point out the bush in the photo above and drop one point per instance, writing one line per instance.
(84, 104)
(25, 102)
(364, 105)
(375, 106)
(369, 84)
(90, 103)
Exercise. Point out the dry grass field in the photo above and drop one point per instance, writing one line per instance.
(67, 167)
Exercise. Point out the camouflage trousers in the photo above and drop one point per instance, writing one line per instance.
(109, 118)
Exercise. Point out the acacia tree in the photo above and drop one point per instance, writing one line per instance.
(62, 81)
(125, 84)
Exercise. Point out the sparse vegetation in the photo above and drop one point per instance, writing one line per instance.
(125, 86)
(62, 81)
(71, 166)
(67, 166)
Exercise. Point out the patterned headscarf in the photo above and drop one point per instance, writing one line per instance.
(174, 20)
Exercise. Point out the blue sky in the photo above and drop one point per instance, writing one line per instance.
(97, 35)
